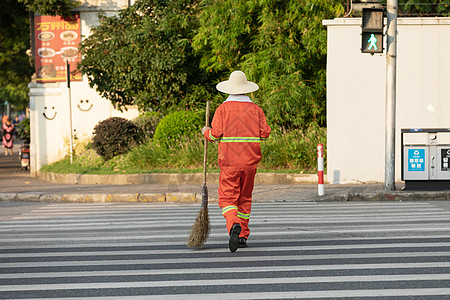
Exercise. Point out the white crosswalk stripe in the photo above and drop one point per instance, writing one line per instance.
(307, 250)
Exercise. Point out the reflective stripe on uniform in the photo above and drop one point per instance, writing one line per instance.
(212, 137)
(240, 139)
(243, 216)
(228, 208)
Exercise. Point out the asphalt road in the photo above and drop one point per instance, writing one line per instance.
(340, 250)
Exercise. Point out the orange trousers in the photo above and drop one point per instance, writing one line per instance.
(235, 198)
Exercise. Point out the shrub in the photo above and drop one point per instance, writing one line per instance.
(147, 124)
(117, 163)
(89, 158)
(178, 127)
(23, 130)
(188, 155)
(114, 136)
(295, 149)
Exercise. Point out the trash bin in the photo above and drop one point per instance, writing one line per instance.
(426, 158)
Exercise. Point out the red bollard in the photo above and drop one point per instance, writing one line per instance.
(321, 187)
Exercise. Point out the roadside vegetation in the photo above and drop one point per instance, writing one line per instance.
(285, 152)
(166, 58)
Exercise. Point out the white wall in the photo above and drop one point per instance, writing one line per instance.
(356, 94)
(102, 5)
(49, 103)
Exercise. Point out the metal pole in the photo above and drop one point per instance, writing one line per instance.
(391, 68)
(8, 109)
(70, 111)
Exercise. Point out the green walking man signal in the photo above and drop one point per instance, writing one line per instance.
(373, 42)
(372, 30)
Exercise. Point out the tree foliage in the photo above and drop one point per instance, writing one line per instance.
(144, 56)
(163, 54)
(428, 8)
(279, 44)
(50, 7)
(15, 68)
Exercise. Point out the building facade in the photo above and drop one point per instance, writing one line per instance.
(356, 94)
(51, 116)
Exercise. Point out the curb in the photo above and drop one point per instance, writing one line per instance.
(162, 178)
(391, 196)
(180, 197)
(103, 198)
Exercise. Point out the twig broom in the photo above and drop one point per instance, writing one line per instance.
(200, 229)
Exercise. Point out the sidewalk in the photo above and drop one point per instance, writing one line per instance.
(17, 185)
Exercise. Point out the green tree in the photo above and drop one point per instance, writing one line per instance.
(420, 8)
(15, 68)
(143, 56)
(279, 44)
(50, 7)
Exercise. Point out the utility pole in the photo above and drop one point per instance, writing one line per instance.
(70, 110)
(8, 109)
(391, 88)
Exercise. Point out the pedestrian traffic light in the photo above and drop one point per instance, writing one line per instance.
(372, 30)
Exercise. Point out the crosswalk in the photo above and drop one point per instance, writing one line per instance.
(304, 250)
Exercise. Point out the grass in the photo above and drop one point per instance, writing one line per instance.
(283, 152)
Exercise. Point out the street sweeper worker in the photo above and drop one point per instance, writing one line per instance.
(238, 125)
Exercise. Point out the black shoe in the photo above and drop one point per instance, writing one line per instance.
(243, 242)
(234, 237)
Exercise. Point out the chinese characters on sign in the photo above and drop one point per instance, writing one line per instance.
(56, 41)
(445, 155)
(416, 159)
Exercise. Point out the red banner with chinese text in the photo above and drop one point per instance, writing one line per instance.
(56, 41)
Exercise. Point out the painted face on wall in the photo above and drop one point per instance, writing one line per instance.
(85, 105)
(49, 112)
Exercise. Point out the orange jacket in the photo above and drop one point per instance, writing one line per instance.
(239, 125)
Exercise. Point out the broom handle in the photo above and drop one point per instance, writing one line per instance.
(205, 153)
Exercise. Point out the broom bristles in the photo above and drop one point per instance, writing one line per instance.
(200, 230)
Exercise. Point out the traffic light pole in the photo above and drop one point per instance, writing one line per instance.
(391, 88)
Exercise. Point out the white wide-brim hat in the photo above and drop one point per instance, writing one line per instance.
(237, 84)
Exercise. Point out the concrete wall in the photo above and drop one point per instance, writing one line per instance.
(103, 5)
(356, 94)
(49, 103)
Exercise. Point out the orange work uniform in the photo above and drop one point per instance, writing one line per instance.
(238, 125)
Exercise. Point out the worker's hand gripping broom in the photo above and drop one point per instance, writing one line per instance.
(200, 229)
